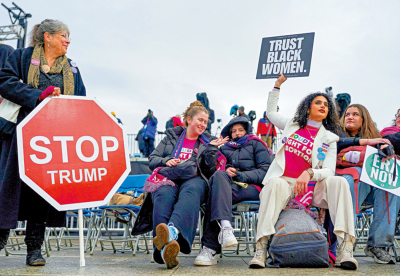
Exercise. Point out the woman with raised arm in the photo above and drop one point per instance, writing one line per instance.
(28, 77)
(183, 162)
(307, 153)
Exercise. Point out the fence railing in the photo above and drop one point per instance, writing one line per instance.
(133, 145)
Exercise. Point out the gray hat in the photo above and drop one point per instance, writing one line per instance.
(241, 108)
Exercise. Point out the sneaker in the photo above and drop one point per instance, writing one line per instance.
(207, 256)
(344, 256)
(35, 258)
(226, 237)
(259, 258)
(380, 255)
(164, 234)
(169, 254)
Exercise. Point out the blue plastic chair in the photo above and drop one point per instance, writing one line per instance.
(124, 214)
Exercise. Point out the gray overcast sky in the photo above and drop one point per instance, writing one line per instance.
(136, 55)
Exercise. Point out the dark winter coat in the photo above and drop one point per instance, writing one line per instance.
(205, 158)
(139, 138)
(149, 127)
(395, 140)
(345, 141)
(202, 97)
(251, 161)
(5, 51)
(17, 200)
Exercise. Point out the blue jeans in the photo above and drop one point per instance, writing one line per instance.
(381, 232)
(179, 205)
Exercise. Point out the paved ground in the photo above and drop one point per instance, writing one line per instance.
(66, 262)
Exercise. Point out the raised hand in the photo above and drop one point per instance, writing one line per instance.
(220, 141)
(280, 80)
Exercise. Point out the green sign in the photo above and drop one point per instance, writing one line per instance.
(381, 173)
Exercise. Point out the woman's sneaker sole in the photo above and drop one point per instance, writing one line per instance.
(256, 265)
(232, 244)
(348, 266)
(171, 251)
(162, 236)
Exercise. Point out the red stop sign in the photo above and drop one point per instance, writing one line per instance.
(72, 153)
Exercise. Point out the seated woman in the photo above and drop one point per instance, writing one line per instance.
(248, 160)
(358, 129)
(172, 209)
(308, 153)
(395, 126)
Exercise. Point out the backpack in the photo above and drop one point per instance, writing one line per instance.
(299, 241)
(169, 124)
(351, 157)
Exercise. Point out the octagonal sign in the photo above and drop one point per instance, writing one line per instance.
(72, 153)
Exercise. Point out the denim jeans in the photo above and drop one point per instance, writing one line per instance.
(381, 232)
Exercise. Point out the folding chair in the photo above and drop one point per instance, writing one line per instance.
(245, 224)
(62, 235)
(16, 242)
(119, 219)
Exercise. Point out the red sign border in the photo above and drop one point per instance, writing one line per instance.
(40, 191)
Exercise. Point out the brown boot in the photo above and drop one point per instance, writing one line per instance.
(170, 253)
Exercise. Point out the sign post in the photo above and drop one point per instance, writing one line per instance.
(73, 154)
(381, 175)
(288, 54)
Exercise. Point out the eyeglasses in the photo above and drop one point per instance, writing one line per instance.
(65, 36)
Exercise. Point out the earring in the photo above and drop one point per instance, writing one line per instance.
(48, 46)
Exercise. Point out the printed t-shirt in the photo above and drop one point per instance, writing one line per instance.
(298, 151)
(187, 149)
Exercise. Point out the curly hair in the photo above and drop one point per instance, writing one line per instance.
(194, 108)
(331, 122)
(368, 128)
(394, 120)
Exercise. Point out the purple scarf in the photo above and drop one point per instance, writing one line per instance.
(156, 180)
(245, 139)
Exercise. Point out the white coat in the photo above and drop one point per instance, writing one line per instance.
(322, 169)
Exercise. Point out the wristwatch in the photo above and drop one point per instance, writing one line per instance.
(311, 172)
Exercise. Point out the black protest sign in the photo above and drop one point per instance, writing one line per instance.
(289, 54)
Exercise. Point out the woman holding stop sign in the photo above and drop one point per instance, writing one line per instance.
(28, 77)
(182, 164)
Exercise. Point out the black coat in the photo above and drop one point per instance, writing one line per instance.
(205, 158)
(17, 200)
(395, 140)
(251, 161)
(5, 51)
(345, 141)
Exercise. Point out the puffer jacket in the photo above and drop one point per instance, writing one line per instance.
(205, 158)
(251, 161)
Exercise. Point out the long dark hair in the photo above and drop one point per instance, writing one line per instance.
(331, 122)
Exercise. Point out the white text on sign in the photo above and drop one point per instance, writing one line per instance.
(284, 57)
(78, 147)
(74, 175)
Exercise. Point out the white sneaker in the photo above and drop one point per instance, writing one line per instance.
(226, 237)
(207, 256)
(344, 256)
(259, 258)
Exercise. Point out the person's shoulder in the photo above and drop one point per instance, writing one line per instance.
(332, 137)
(4, 48)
